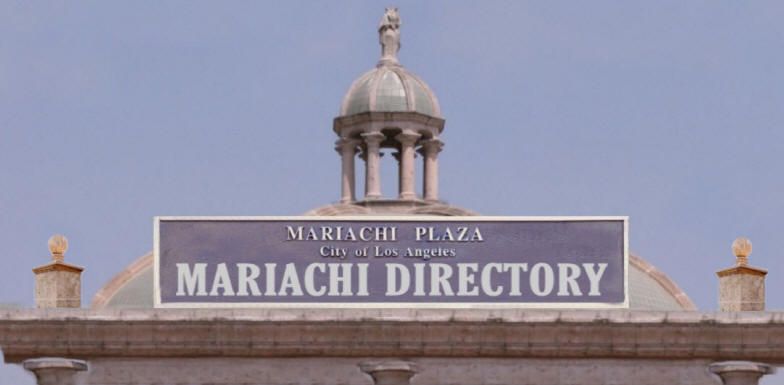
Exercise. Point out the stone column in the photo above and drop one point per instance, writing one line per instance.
(55, 371)
(347, 148)
(372, 165)
(430, 149)
(742, 287)
(58, 284)
(390, 372)
(407, 141)
(740, 372)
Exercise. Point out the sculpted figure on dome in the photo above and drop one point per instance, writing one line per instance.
(389, 35)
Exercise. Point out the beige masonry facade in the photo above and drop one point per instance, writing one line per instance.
(457, 347)
(661, 339)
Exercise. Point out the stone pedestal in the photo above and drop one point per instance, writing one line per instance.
(390, 372)
(740, 372)
(58, 285)
(742, 288)
(55, 371)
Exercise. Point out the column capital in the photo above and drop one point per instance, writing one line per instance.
(390, 372)
(347, 144)
(373, 138)
(432, 145)
(407, 138)
(54, 371)
(740, 372)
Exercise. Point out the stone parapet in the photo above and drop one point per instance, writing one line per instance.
(714, 336)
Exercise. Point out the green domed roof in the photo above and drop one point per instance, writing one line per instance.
(389, 88)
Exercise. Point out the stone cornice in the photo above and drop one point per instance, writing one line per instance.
(406, 116)
(58, 266)
(84, 334)
(742, 269)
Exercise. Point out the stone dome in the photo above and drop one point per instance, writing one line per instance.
(389, 88)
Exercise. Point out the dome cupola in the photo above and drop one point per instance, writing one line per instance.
(389, 108)
(389, 87)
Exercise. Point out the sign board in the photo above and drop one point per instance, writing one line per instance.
(391, 262)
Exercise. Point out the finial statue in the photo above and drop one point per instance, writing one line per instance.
(389, 36)
(57, 246)
(741, 248)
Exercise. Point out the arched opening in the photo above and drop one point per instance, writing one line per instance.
(419, 177)
(389, 174)
(390, 166)
(359, 176)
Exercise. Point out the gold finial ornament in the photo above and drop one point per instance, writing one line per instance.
(742, 248)
(57, 245)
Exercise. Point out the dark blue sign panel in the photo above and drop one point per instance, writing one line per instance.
(385, 262)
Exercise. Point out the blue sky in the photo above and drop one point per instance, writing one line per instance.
(669, 112)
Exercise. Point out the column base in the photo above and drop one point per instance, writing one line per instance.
(372, 197)
(408, 197)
